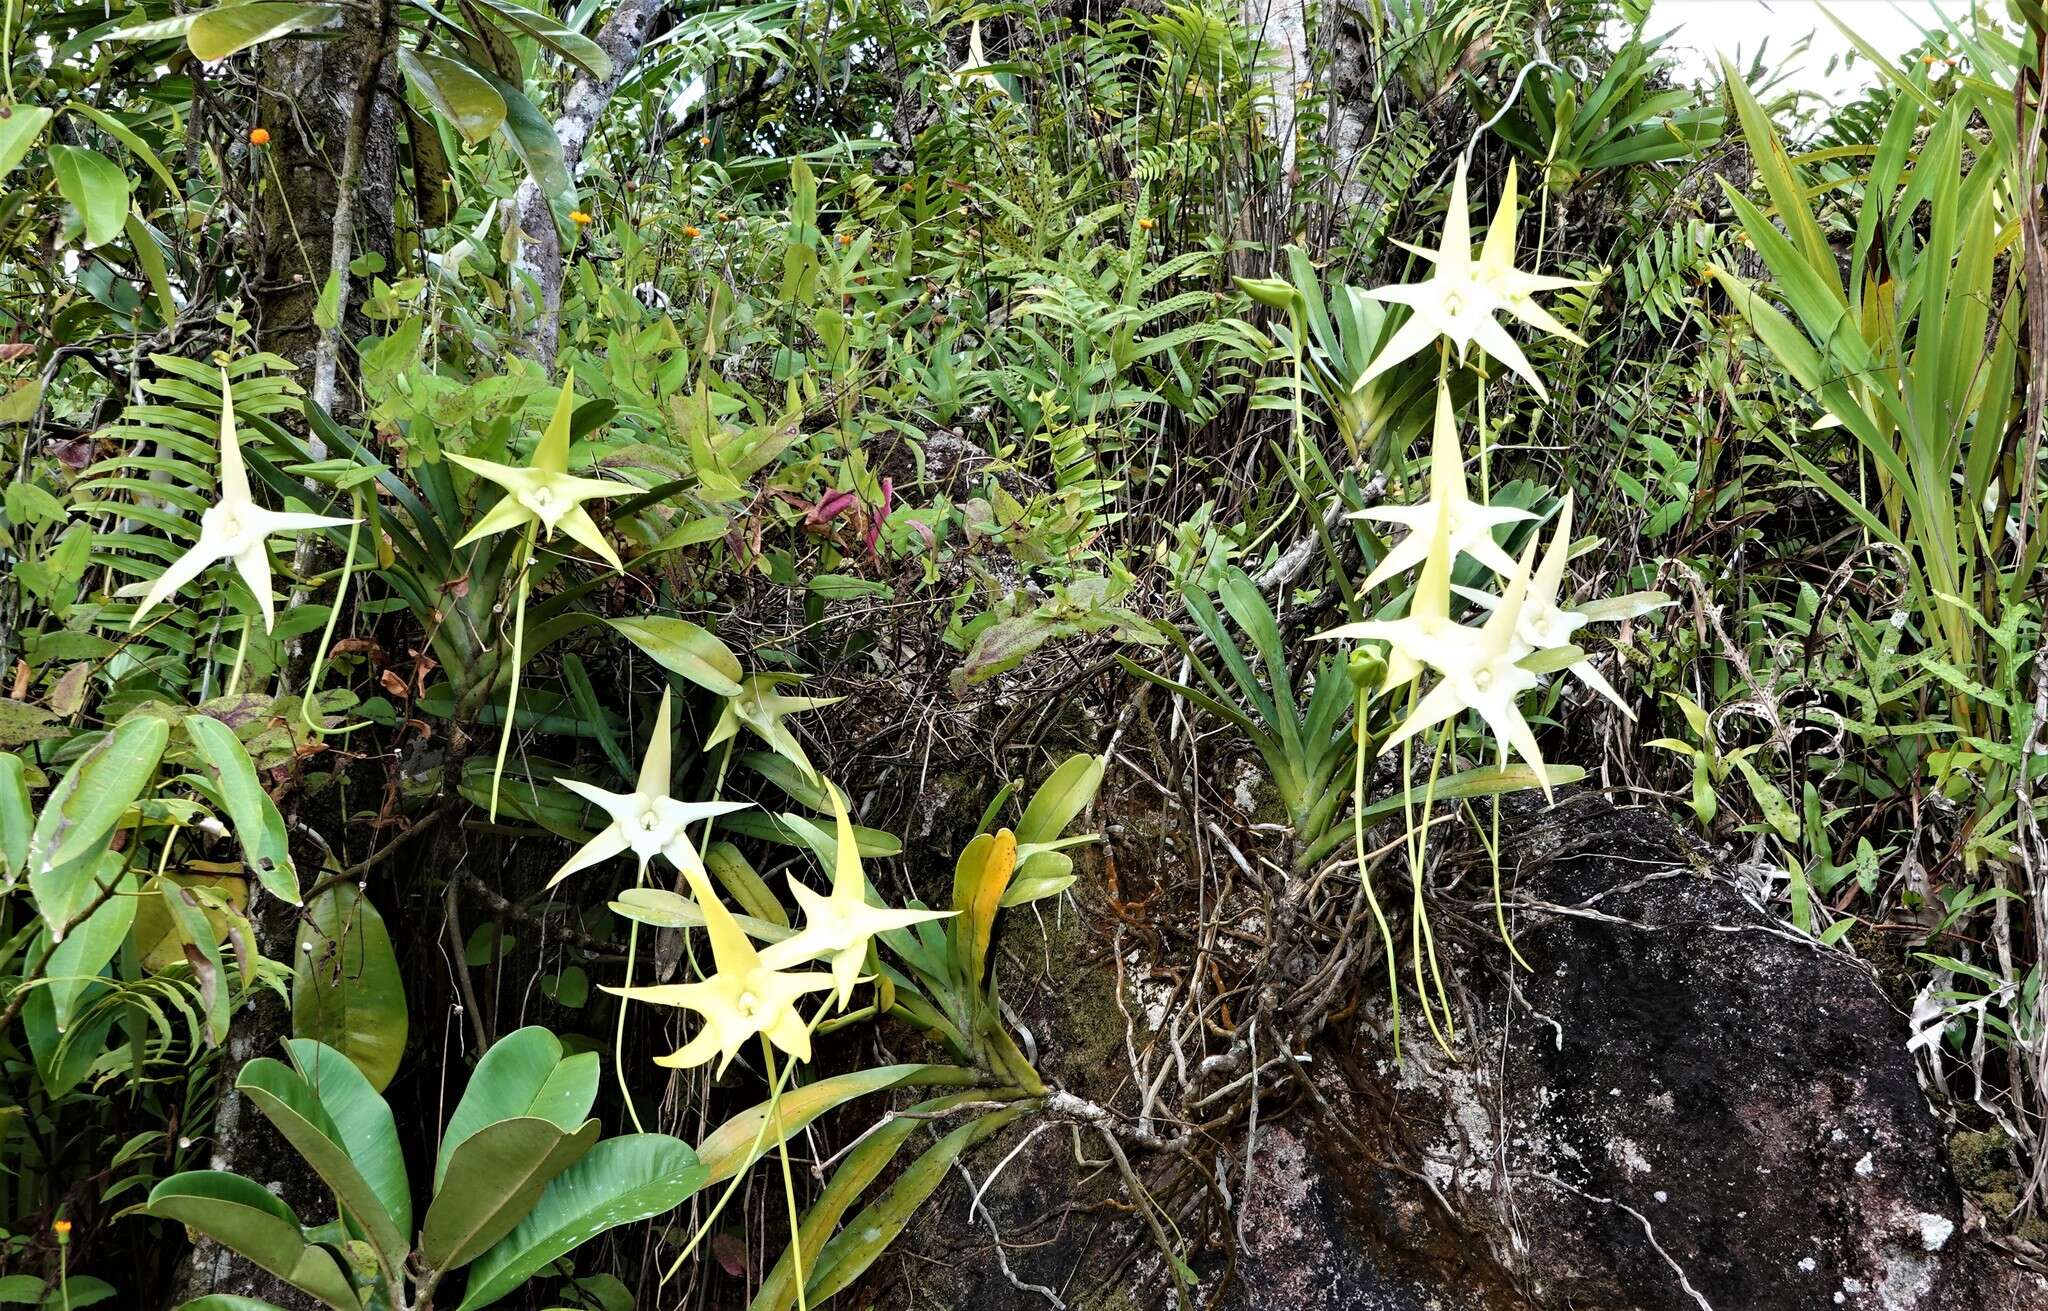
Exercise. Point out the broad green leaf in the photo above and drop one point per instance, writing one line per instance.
(621, 1181)
(258, 825)
(246, 1217)
(533, 139)
(132, 139)
(17, 817)
(681, 647)
(18, 133)
(364, 1121)
(346, 988)
(83, 811)
(77, 961)
(472, 106)
(226, 29)
(523, 1074)
(96, 187)
(227, 1302)
(494, 1180)
(199, 945)
(578, 49)
(290, 1104)
(728, 1149)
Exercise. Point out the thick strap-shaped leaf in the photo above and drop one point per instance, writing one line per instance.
(83, 811)
(578, 49)
(228, 29)
(730, 1147)
(347, 990)
(463, 96)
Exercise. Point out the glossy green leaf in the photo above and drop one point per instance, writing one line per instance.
(227, 1302)
(533, 139)
(472, 106)
(578, 49)
(258, 825)
(83, 811)
(246, 1217)
(523, 1074)
(18, 134)
(290, 1103)
(346, 988)
(17, 817)
(681, 647)
(96, 187)
(77, 961)
(621, 1181)
(364, 1121)
(494, 1180)
(227, 29)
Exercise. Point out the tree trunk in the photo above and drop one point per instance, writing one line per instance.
(539, 265)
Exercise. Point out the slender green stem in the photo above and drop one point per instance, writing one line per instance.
(241, 655)
(619, 1033)
(1365, 875)
(796, 1232)
(348, 568)
(773, 1116)
(524, 558)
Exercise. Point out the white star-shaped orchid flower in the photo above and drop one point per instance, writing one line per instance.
(1458, 301)
(841, 925)
(1425, 635)
(233, 528)
(1469, 524)
(1545, 624)
(646, 821)
(743, 996)
(1515, 288)
(545, 492)
(1485, 675)
(761, 708)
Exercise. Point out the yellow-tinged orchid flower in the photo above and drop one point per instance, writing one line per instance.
(842, 924)
(234, 528)
(1545, 624)
(1425, 635)
(1515, 288)
(761, 708)
(743, 996)
(545, 492)
(646, 821)
(1485, 675)
(1469, 524)
(1458, 301)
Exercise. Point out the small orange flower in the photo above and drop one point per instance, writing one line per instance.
(259, 136)
(63, 1230)
(579, 218)
(704, 139)
(846, 238)
(1146, 224)
(692, 233)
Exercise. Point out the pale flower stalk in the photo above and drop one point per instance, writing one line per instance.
(235, 528)
(646, 821)
(841, 925)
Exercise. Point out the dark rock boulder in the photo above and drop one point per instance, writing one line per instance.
(1684, 1104)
